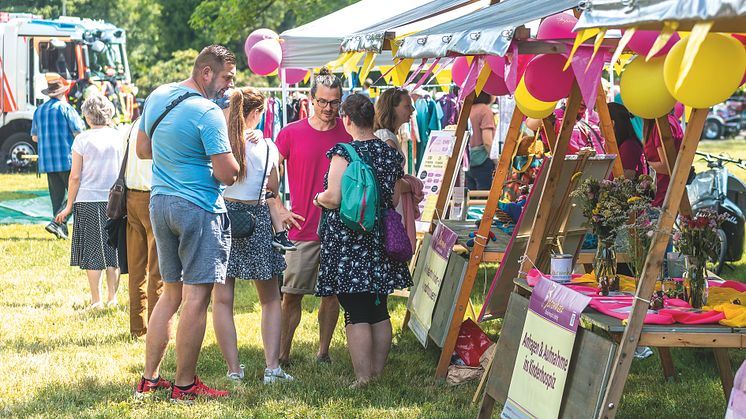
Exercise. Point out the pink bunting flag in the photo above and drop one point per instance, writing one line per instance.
(471, 79)
(427, 74)
(511, 70)
(588, 73)
(399, 61)
(415, 73)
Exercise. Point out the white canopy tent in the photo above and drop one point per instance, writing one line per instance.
(728, 15)
(487, 31)
(317, 43)
(412, 21)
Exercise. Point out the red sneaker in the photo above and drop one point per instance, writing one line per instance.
(145, 386)
(198, 389)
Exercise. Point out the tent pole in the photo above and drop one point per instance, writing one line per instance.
(283, 109)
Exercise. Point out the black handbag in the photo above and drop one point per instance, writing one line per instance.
(243, 222)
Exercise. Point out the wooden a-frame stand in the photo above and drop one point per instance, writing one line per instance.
(476, 256)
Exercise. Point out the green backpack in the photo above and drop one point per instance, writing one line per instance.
(359, 207)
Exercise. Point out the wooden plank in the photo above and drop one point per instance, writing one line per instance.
(549, 132)
(544, 211)
(452, 166)
(691, 339)
(607, 129)
(652, 267)
(588, 375)
(669, 155)
(475, 257)
(725, 370)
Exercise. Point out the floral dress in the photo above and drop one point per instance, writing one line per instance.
(356, 262)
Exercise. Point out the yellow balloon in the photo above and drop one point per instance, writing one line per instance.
(529, 105)
(715, 74)
(642, 88)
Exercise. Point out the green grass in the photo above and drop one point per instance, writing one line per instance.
(57, 359)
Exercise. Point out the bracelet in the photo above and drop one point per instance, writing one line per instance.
(316, 198)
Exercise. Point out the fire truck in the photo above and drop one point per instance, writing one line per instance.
(91, 54)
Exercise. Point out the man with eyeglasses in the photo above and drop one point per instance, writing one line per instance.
(303, 146)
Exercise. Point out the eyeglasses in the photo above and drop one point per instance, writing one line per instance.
(324, 103)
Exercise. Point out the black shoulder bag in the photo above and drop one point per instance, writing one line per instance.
(116, 206)
(243, 222)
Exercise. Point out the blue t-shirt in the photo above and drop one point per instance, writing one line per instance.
(182, 145)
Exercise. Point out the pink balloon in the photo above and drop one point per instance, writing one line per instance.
(495, 85)
(557, 26)
(642, 41)
(497, 64)
(256, 36)
(545, 79)
(265, 57)
(294, 75)
(460, 70)
(678, 110)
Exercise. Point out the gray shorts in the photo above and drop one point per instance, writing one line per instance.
(193, 244)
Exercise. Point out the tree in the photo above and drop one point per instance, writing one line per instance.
(230, 21)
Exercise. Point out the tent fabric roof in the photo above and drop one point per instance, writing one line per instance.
(487, 31)
(317, 43)
(371, 38)
(729, 15)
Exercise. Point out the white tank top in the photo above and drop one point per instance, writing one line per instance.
(256, 172)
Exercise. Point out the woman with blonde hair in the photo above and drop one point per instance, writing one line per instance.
(251, 258)
(97, 156)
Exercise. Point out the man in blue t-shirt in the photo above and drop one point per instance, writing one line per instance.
(192, 161)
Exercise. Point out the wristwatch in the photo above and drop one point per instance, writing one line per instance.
(269, 195)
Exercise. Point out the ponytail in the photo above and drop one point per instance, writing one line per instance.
(236, 132)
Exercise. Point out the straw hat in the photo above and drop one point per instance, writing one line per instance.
(56, 85)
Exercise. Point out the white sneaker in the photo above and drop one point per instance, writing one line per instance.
(273, 376)
(236, 376)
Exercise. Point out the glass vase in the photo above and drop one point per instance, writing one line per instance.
(605, 267)
(696, 275)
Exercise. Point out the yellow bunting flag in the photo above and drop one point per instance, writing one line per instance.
(596, 46)
(623, 61)
(333, 65)
(687, 113)
(401, 71)
(351, 64)
(620, 48)
(667, 32)
(581, 37)
(385, 69)
(444, 79)
(308, 75)
(370, 59)
(699, 33)
(482, 79)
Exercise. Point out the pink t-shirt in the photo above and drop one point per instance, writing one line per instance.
(304, 149)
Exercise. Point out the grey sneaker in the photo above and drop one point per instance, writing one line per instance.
(277, 375)
(237, 376)
(642, 352)
(281, 242)
(59, 230)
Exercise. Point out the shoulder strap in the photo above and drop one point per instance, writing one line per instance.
(351, 150)
(169, 108)
(123, 168)
(266, 162)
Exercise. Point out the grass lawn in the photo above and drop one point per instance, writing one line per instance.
(60, 360)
